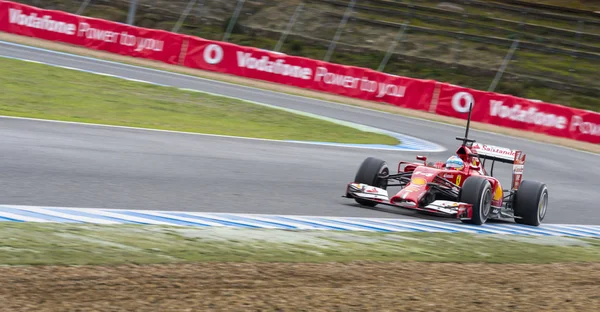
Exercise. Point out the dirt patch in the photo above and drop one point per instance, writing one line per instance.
(302, 287)
(595, 148)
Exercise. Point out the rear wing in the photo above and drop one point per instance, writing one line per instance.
(503, 155)
(496, 153)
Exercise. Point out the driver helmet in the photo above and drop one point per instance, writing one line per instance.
(455, 163)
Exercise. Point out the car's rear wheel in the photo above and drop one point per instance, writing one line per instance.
(477, 191)
(369, 173)
(531, 203)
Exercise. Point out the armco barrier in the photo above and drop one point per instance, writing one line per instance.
(361, 83)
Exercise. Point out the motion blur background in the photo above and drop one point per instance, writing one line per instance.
(547, 50)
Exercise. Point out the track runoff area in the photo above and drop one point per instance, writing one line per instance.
(19, 213)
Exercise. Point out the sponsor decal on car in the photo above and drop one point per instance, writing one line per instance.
(418, 181)
(428, 174)
(498, 193)
(371, 190)
(518, 169)
(485, 149)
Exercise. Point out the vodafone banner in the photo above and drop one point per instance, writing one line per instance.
(91, 33)
(361, 83)
(356, 82)
(514, 112)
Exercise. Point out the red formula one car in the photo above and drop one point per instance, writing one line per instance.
(468, 193)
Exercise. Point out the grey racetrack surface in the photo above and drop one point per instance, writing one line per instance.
(52, 164)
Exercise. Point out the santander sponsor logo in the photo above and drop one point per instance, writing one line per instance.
(493, 150)
(530, 115)
(278, 67)
(45, 23)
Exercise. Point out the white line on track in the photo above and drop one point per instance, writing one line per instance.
(209, 135)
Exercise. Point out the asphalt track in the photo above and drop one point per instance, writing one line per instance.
(54, 164)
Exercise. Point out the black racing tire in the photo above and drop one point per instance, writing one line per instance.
(477, 191)
(531, 203)
(368, 173)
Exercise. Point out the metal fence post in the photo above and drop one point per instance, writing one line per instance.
(82, 7)
(522, 22)
(409, 11)
(131, 15)
(458, 50)
(288, 28)
(505, 62)
(183, 16)
(577, 41)
(233, 19)
(339, 30)
(459, 38)
(199, 9)
(392, 46)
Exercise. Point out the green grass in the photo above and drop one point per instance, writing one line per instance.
(79, 244)
(42, 91)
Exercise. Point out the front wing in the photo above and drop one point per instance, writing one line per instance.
(377, 195)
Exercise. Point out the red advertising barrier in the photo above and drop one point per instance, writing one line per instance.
(91, 33)
(514, 112)
(356, 82)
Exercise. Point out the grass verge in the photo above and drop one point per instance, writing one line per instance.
(81, 244)
(42, 91)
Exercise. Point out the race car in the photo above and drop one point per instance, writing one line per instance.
(460, 188)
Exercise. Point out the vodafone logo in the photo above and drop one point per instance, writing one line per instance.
(461, 102)
(213, 54)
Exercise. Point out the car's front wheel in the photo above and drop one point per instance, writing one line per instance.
(369, 173)
(477, 191)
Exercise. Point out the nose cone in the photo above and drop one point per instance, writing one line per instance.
(409, 196)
